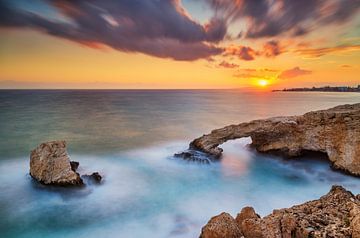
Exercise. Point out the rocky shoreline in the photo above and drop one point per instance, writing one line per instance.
(336, 214)
(334, 132)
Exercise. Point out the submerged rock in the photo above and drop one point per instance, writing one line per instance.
(337, 214)
(194, 156)
(50, 165)
(94, 177)
(335, 132)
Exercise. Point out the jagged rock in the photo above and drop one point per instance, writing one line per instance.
(50, 164)
(94, 177)
(194, 156)
(335, 131)
(337, 214)
(221, 226)
(74, 165)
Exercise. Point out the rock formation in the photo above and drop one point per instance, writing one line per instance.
(50, 164)
(93, 178)
(335, 131)
(337, 214)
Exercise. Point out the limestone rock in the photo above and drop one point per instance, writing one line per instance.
(221, 226)
(50, 165)
(335, 131)
(337, 214)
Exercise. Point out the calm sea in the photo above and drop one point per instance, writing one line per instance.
(129, 136)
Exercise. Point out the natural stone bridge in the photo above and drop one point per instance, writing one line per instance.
(335, 131)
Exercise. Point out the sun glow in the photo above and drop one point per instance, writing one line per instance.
(263, 82)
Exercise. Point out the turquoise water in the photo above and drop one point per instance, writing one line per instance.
(130, 137)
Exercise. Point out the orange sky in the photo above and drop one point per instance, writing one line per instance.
(32, 59)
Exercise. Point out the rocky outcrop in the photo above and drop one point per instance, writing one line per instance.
(335, 131)
(223, 225)
(337, 214)
(50, 165)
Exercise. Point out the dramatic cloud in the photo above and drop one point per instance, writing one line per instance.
(318, 52)
(270, 49)
(269, 18)
(228, 65)
(292, 73)
(160, 28)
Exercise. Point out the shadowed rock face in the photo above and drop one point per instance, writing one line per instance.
(337, 214)
(50, 164)
(335, 131)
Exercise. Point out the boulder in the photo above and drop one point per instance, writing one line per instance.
(221, 226)
(50, 165)
(335, 132)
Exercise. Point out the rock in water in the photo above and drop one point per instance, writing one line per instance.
(50, 165)
(335, 132)
(93, 178)
(337, 214)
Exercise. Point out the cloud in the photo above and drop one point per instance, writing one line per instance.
(256, 73)
(268, 18)
(318, 52)
(242, 52)
(228, 65)
(160, 28)
(272, 49)
(345, 66)
(292, 73)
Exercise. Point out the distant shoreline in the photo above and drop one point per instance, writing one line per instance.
(343, 89)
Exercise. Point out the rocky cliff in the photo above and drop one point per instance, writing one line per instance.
(335, 131)
(336, 214)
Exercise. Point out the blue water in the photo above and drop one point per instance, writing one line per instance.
(130, 137)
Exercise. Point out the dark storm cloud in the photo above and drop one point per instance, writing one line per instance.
(269, 18)
(160, 28)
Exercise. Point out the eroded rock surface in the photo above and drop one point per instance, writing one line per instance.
(221, 226)
(50, 164)
(337, 214)
(335, 131)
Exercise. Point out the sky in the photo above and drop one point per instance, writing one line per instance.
(179, 44)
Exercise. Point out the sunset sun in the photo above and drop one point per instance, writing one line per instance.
(263, 82)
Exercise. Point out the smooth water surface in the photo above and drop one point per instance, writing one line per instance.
(130, 137)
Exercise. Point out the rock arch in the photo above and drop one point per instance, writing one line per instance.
(335, 131)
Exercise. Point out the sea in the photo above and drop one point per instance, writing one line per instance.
(130, 137)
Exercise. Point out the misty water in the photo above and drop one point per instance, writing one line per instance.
(129, 137)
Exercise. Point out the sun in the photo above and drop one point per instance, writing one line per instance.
(263, 82)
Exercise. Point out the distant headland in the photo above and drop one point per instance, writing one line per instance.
(322, 89)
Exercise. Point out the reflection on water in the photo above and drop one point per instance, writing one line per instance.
(129, 137)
